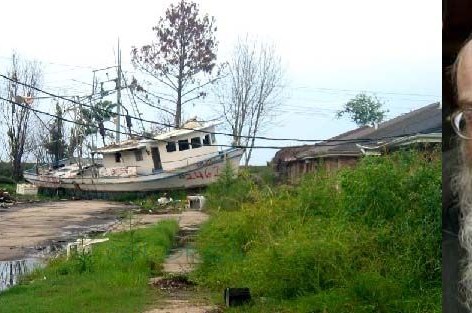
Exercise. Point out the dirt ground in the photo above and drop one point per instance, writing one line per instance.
(183, 306)
(186, 219)
(35, 228)
(181, 261)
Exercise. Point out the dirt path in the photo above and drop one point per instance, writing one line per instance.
(176, 294)
(27, 229)
(186, 219)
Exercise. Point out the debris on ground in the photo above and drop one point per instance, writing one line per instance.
(196, 202)
(167, 205)
(5, 198)
(178, 282)
(26, 189)
(82, 245)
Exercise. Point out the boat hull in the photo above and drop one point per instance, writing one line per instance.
(193, 176)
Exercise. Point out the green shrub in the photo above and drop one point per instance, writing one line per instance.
(363, 239)
(373, 190)
(299, 263)
(318, 194)
(376, 292)
(6, 180)
(230, 192)
(263, 175)
(6, 170)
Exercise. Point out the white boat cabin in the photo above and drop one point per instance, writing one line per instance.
(193, 143)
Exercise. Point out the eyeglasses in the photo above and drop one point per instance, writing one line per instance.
(462, 123)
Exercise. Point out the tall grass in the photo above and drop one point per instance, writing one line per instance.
(112, 279)
(365, 239)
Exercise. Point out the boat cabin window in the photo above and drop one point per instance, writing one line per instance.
(183, 145)
(196, 142)
(206, 140)
(117, 157)
(138, 153)
(213, 139)
(171, 147)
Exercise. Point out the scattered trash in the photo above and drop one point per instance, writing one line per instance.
(164, 200)
(171, 283)
(26, 189)
(196, 202)
(82, 246)
(5, 197)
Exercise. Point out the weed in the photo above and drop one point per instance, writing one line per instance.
(363, 239)
(107, 280)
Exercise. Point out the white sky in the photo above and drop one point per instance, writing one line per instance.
(383, 46)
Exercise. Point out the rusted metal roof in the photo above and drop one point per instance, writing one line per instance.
(426, 120)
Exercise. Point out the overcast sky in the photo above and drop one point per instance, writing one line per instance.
(331, 50)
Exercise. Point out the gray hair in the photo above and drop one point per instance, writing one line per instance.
(462, 185)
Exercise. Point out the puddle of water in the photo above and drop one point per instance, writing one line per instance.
(11, 271)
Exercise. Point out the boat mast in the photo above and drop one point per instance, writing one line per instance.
(118, 95)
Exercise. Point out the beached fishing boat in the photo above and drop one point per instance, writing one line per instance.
(180, 159)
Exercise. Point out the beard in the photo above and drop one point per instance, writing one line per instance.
(462, 184)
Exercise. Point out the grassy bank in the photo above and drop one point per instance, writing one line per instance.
(361, 240)
(112, 279)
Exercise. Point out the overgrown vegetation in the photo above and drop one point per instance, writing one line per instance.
(365, 239)
(114, 278)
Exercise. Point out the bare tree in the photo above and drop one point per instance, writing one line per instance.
(185, 47)
(251, 91)
(17, 117)
(36, 145)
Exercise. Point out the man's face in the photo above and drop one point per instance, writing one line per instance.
(464, 178)
(464, 95)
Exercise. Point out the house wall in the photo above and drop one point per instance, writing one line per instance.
(296, 169)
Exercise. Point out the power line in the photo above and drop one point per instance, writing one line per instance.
(306, 109)
(184, 128)
(125, 133)
(133, 101)
(61, 64)
(369, 91)
(360, 140)
(343, 90)
(315, 89)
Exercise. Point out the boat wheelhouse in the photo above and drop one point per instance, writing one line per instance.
(165, 152)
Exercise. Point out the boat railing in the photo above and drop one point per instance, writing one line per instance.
(85, 162)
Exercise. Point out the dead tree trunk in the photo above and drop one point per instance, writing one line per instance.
(24, 78)
(251, 91)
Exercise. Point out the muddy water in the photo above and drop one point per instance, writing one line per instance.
(11, 271)
(32, 233)
(28, 229)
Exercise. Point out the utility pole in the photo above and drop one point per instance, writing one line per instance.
(81, 132)
(118, 95)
